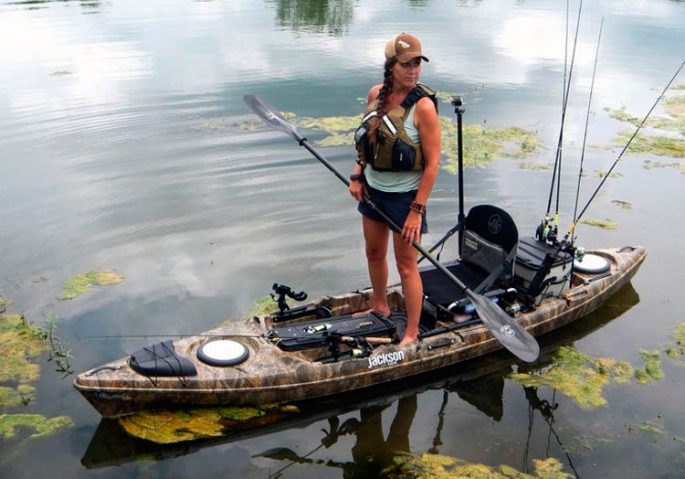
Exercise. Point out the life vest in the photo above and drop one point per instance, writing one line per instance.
(393, 150)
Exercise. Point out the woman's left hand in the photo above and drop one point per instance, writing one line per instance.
(411, 231)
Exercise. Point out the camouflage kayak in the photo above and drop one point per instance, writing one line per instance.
(337, 346)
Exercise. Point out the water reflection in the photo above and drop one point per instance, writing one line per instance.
(35, 4)
(331, 17)
(371, 452)
(546, 410)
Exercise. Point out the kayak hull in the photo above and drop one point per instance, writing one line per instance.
(271, 375)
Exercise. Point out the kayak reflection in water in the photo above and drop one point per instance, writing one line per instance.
(398, 150)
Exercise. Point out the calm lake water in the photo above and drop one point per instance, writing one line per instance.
(121, 148)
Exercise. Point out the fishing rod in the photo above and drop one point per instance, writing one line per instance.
(111, 337)
(503, 327)
(344, 339)
(546, 230)
(625, 148)
(587, 121)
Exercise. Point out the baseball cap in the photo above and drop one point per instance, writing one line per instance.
(404, 47)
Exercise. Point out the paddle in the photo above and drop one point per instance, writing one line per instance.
(503, 327)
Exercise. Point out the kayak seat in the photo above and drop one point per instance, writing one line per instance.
(161, 360)
(441, 290)
(488, 253)
(317, 333)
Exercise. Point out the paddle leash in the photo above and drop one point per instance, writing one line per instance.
(502, 326)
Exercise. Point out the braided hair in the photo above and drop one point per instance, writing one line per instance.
(383, 94)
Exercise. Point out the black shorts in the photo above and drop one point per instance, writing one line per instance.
(395, 205)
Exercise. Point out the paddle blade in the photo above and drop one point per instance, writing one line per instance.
(505, 328)
(271, 116)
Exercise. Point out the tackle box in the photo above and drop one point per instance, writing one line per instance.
(529, 258)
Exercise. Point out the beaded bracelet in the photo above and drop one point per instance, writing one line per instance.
(417, 207)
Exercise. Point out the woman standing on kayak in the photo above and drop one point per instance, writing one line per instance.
(398, 145)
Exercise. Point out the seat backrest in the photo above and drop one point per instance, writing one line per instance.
(489, 240)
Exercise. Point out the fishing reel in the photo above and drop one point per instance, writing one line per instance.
(282, 291)
(285, 313)
(547, 231)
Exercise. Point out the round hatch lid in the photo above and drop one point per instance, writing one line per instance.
(222, 352)
(591, 264)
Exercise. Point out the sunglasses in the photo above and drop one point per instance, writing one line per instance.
(416, 63)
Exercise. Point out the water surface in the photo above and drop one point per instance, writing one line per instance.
(122, 148)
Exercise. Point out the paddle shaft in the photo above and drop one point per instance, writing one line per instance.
(345, 339)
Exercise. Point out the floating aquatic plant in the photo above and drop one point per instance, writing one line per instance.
(661, 145)
(650, 165)
(340, 129)
(481, 145)
(19, 342)
(621, 114)
(587, 442)
(338, 139)
(614, 176)
(606, 224)
(676, 350)
(444, 96)
(578, 376)
(656, 145)
(674, 106)
(646, 426)
(220, 124)
(528, 165)
(330, 124)
(263, 306)
(4, 302)
(622, 204)
(82, 283)
(41, 426)
(427, 466)
(22, 395)
(166, 427)
(652, 370)
(484, 145)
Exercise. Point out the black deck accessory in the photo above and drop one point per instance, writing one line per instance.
(285, 313)
(161, 359)
(282, 291)
(319, 333)
(541, 269)
(222, 352)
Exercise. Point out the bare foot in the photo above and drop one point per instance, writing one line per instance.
(366, 312)
(408, 340)
(460, 318)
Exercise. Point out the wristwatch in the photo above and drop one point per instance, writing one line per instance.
(357, 178)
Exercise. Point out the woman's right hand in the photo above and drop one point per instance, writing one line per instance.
(357, 189)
